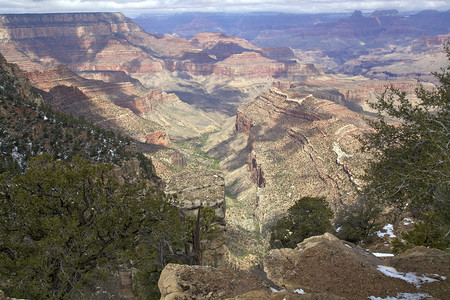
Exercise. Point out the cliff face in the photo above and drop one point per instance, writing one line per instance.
(286, 145)
(308, 139)
(62, 38)
(109, 46)
(112, 42)
(97, 101)
(62, 24)
(124, 106)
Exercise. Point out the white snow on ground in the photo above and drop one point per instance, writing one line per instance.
(407, 221)
(277, 291)
(403, 296)
(299, 291)
(409, 277)
(388, 229)
(340, 153)
(379, 254)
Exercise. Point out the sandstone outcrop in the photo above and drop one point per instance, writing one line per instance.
(324, 263)
(178, 160)
(159, 138)
(195, 282)
(200, 282)
(197, 189)
(147, 103)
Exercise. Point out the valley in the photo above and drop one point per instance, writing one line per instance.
(273, 111)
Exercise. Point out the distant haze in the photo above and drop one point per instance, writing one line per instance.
(137, 7)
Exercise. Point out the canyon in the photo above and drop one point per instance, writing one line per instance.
(274, 111)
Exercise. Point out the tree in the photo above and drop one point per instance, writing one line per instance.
(358, 222)
(411, 166)
(64, 225)
(309, 216)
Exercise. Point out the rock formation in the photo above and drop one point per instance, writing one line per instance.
(324, 263)
(194, 282)
(125, 106)
(287, 145)
(112, 47)
(321, 267)
(159, 138)
(198, 189)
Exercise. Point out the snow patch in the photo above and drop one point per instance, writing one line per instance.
(299, 291)
(277, 291)
(379, 254)
(407, 221)
(409, 277)
(340, 153)
(404, 296)
(388, 229)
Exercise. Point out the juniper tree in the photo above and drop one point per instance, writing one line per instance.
(65, 224)
(309, 216)
(411, 166)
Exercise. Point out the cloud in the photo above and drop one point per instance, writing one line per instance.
(142, 6)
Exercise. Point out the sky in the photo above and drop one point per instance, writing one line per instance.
(133, 8)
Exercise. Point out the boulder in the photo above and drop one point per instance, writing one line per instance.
(202, 282)
(326, 264)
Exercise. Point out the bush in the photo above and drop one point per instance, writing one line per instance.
(309, 216)
(358, 222)
(431, 231)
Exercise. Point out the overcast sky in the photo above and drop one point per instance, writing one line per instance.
(135, 7)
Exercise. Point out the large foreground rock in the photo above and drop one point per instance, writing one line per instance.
(321, 267)
(327, 264)
(183, 282)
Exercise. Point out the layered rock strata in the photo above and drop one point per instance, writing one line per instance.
(111, 47)
(285, 145)
(124, 106)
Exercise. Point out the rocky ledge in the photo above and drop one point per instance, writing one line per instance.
(195, 189)
(321, 267)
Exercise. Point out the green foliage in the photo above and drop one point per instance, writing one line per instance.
(65, 225)
(358, 222)
(208, 224)
(431, 231)
(309, 216)
(145, 283)
(411, 168)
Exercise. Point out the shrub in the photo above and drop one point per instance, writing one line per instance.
(309, 216)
